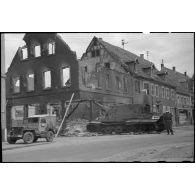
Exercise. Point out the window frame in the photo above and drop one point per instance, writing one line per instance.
(44, 87)
(62, 77)
(14, 84)
(53, 45)
(38, 45)
(33, 82)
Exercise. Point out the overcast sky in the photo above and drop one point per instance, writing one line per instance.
(177, 49)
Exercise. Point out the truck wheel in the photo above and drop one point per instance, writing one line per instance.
(28, 137)
(50, 136)
(107, 130)
(118, 130)
(11, 140)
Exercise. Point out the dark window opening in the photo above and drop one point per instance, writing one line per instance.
(137, 86)
(98, 52)
(93, 54)
(86, 69)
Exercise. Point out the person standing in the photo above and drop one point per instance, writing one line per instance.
(167, 119)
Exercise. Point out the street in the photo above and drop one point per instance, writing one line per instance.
(108, 148)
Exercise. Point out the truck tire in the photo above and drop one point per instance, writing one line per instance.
(50, 136)
(11, 140)
(28, 137)
(107, 130)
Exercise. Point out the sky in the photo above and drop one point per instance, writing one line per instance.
(176, 49)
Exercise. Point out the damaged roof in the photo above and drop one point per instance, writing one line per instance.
(123, 56)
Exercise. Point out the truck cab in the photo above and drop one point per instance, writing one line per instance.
(33, 128)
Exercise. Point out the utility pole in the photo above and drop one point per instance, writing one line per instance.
(123, 43)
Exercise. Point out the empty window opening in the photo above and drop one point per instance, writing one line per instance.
(30, 82)
(157, 91)
(47, 79)
(16, 86)
(51, 48)
(24, 53)
(107, 65)
(37, 51)
(66, 77)
(98, 52)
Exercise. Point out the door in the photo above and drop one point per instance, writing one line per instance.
(42, 124)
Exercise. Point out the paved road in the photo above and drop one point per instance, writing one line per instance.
(126, 148)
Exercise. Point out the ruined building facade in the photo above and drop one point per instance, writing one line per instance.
(45, 73)
(41, 78)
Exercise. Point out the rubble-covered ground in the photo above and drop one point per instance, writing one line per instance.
(107, 148)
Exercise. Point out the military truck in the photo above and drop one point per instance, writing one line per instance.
(129, 118)
(33, 128)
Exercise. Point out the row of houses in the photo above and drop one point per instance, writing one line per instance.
(45, 72)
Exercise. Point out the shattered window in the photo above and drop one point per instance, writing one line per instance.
(24, 53)
(51, 48)
(66, 77)
(37, 51)
(30, 82)
(47, 79)
(16, 87)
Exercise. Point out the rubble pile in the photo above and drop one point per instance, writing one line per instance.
(77, 127)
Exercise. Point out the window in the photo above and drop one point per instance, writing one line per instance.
(146, 87)
(51, 47)
(42, 120)
(152, 86)
(95, 53)
(98, 52)
(107, 81)
(86, 69)
(37, 51)
(137, 86)
(47, 79)
(30, 82)
(157, 90)
(118, 83)
(16, 85)
(24, 53)
(66, 77)
(167, 93)
(184, 101)
(125, 84)
(163, 92)
(107, 65)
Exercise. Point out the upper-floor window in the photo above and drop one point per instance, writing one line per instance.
(167, 93)
(51, 48)
(107, 81)
(157, 90)
(95, 53)
(47, 79)
(24, 53)
(118, 83)
(16, 85)
(30, 82)
(153, 89)
(146, 87)
(163, 92)
(37, 51)
(66, 77)
(125, 84)
(137, 86)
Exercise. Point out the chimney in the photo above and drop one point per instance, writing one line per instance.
(142, 56)
(100, 39)
(174, 68)
(162, 64)
(185, 73)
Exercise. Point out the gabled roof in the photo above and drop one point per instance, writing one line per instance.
(177, 78)
(123, 56)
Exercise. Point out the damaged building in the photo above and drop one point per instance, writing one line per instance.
(41, 78)
(46, 72)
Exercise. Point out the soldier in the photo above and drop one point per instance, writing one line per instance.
(167, 119)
